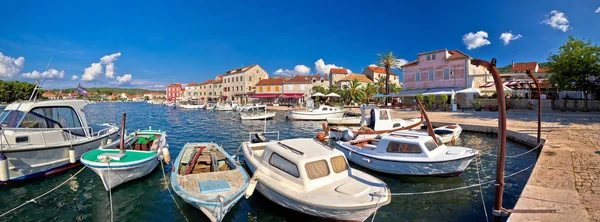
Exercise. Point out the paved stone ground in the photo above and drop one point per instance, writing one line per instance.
(567, 174)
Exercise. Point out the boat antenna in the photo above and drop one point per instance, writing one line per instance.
(33, 96)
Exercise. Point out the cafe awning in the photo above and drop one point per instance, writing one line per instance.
(407, 93)
(439, 91)
(292, 95)
(265, 95)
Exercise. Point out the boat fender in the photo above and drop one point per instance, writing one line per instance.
(4, 174)
(72, 155)
(166, 155)
(453, 140)
(347, 135)
(108, 141)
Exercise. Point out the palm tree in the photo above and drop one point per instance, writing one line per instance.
(388, 61)
(355, 92)
(370, 90)
(395, 88)
(380, 84)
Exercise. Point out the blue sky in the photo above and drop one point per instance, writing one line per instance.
(149, 44)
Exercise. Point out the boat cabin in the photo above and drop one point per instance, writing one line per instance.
(307, 163)
(257, 108)
(325, 108)
(402, 144)
(379, 119)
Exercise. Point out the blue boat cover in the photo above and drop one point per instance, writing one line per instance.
(212, 186)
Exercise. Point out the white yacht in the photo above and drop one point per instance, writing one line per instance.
(321, 112)
(307, 176)
(258, 112)
(379, 121)
(45, 137)
(408, 153)
(229, 106)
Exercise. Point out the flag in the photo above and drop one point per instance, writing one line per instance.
(81, 90)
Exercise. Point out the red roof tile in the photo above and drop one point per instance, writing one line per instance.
(304, 79)
(193, 84)
(239, 70)
(174, 85)
(338, 71)
(410, 63)
(455, 54)
(381, 70)
(544, 70)
(523, 66)
(48, 94)
(270, 81)
(207, 82)
(360, 77)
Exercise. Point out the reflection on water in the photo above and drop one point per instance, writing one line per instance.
(147, 199)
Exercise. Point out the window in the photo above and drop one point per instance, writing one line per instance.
(383, 114)
(284, 165)
(268, 88)
(195, 93)
(314, 80)
(316, 169)
(432, 56)
(209, 86)
(430, 145)
(250, 77)
(446, 74)
(205, 93)
(418, 77)
(260, 89)
(189, 93)
(428, 57)
(324, 109)
(257, 71)
(321, 80)
(431, 75)
(276, 88)
(210, 93)
(339, 164)
(241, 78)
(396, 147)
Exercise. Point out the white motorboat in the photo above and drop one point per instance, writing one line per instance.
(321, 112)
(208, 178)
(408, 153)
(210, 106)
(378, 122)
(142, 151)
(40, 138)
(230, 106)
(252, 108)
(346, 120)
(307, 176)
(257, 115)
(449, 133)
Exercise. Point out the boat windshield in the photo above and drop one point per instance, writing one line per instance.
(11, 118)
(431, 145)
(44, 117)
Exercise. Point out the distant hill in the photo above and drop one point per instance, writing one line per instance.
(109, 91)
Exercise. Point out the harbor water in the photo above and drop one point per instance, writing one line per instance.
(147, 199)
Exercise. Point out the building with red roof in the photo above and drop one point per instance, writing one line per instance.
(174, 91)
(375, 73)
(336, 74)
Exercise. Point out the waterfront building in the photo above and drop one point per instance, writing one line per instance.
(346, 82)
(298, 89)
(215, 90)
(337, 74)
(441, 72)
(49, 95)
(192, 91)
(173, 92)
(374, 73)
(518, 80)
(239, 84)
(268, 90)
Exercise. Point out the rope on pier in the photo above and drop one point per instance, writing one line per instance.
(518, 155)
(169, 189)
(44, 194)
(478, 164)
(458, 188)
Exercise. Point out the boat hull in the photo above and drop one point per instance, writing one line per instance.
(34, 163)
(315, 116)
(444, 168)
(261, 117)
(342, 214)
(344, 121)
(115, 174)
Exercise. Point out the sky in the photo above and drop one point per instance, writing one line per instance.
(150, 44)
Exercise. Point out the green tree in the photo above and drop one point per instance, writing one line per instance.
(354, 92)
(420, 97)
(388, 61)
(395, 88)
(380, 83)
(578, 62)
(321, 89)
(430, 100)
(370, 90)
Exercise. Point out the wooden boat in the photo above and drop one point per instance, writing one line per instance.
(449, 133)
(346, 120)
(138, 155)
(410, 153)
(378, 122)
(321, 112)
(309, 177)
(208, 178)
(40, 138)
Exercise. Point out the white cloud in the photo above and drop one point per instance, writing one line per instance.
(508, 36)
(475, 40)
(74, 77)
(48, 74)
(557, 20)
(597, 10)
(298, 70)
(323, 68)
(10, 66)
(125, 79)
(95, 70)
(400, 62)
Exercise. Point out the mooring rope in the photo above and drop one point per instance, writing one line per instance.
(169, 189)
(112, 217)
(517, 155)
(478, 164)
(44, 194)
(458, 188)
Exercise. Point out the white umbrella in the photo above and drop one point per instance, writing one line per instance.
(317, 94)
(332, 95)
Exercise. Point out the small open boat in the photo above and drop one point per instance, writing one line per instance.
(309, 177)
(257, 113)
(208, 178)
(346, 120)
(448, 133)
(135, 156)
(318, 113)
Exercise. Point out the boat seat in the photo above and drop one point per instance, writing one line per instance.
(203, 159)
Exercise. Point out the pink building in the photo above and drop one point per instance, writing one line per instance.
(174, 91)
(440, 72)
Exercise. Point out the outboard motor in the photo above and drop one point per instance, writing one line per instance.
(259, 138)
(347, 135)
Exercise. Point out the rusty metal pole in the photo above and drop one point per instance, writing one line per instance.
(499, 212)
(429, 126)
(537, 86)
(122, 142)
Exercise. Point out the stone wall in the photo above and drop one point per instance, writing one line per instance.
(592, 105)
(518, 103)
